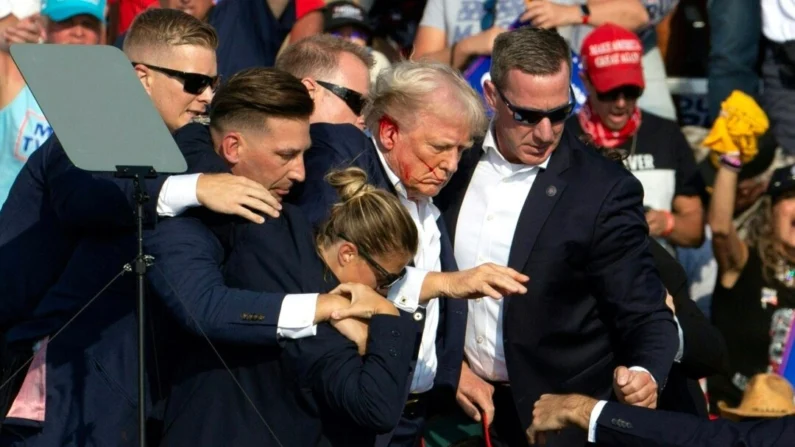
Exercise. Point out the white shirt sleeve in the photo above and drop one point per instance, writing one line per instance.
(297, 317)
(177, 195)
(681, 351)
(640, 368)
(597, 410)
(405, 294)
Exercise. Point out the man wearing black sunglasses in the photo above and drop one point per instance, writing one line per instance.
(336, 74)
(658, 153)
(534, 197)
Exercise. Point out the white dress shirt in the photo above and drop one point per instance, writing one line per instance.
(486, 225)
(484, 233)
(297, 316)
(778, 20)
(405, 294)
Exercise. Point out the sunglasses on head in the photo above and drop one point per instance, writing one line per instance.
(352, 98)
(386, 279)
(630, 93)
(534, 116)
(192, 83)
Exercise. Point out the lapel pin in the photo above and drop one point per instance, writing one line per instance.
(551, 190)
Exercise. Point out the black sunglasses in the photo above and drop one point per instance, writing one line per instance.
(630, 92)
(352, 98)
(490, 6)
(387, 279)
(192, 83)
(534, 116)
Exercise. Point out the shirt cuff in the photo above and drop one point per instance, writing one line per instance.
(595, 413)
(177, 195)
(640, 368)
(297, 317)
(681, 351)
(405, 294)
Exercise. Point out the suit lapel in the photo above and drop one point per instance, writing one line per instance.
(544, 194)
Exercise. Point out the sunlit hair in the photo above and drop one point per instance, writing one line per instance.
(318, 56)
(533, 51)
(407, 88)
(253, 95)
(156, 29)
(371, 218)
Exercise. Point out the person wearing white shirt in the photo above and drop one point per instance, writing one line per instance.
(421, 117)
(536, 198)
(778, 70)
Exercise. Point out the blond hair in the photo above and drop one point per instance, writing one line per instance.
(371, 218)
(156, 29)
(407, 87)
(318, 56)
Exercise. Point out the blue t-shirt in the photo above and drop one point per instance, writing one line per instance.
(23, 128)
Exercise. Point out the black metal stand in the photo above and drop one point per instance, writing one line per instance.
(142, 261)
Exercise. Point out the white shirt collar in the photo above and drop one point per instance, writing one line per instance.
(496, 158)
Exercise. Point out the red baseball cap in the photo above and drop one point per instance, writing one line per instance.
(611, 57)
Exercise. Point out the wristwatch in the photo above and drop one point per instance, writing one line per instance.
(586, 13)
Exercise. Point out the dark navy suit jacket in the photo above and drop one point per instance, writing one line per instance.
(93, 361)
(50, 205)
(316, 391)
(595, 299)
(337, 146)
(627, 426)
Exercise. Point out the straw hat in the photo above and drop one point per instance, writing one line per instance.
(766, 396)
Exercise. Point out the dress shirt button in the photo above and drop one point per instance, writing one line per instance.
(479, 300)
(418, 316)
(490, 217)
(393, 352)
(403, 300)
(396, 333)
(479, 339)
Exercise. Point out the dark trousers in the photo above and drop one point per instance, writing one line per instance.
(506, 428)
(411, 426)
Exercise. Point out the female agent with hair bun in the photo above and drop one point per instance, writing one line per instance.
(331, 393)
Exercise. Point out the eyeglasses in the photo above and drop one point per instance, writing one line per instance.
(630, 93)
(490, 6)
(534, 116)
(192, 83)
(387, 279)
(353, 99)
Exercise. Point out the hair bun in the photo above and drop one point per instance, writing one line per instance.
(350, 183)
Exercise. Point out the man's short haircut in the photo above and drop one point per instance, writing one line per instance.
(533, 51)
(318, 56)
(253, 95)
(407, 88)
(159, 28)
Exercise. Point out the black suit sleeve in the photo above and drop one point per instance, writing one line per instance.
(704, 348)
(370, 390)
(187, 277)
(630, 295)
(624, 425)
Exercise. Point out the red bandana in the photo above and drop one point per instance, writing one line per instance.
(602, 136)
